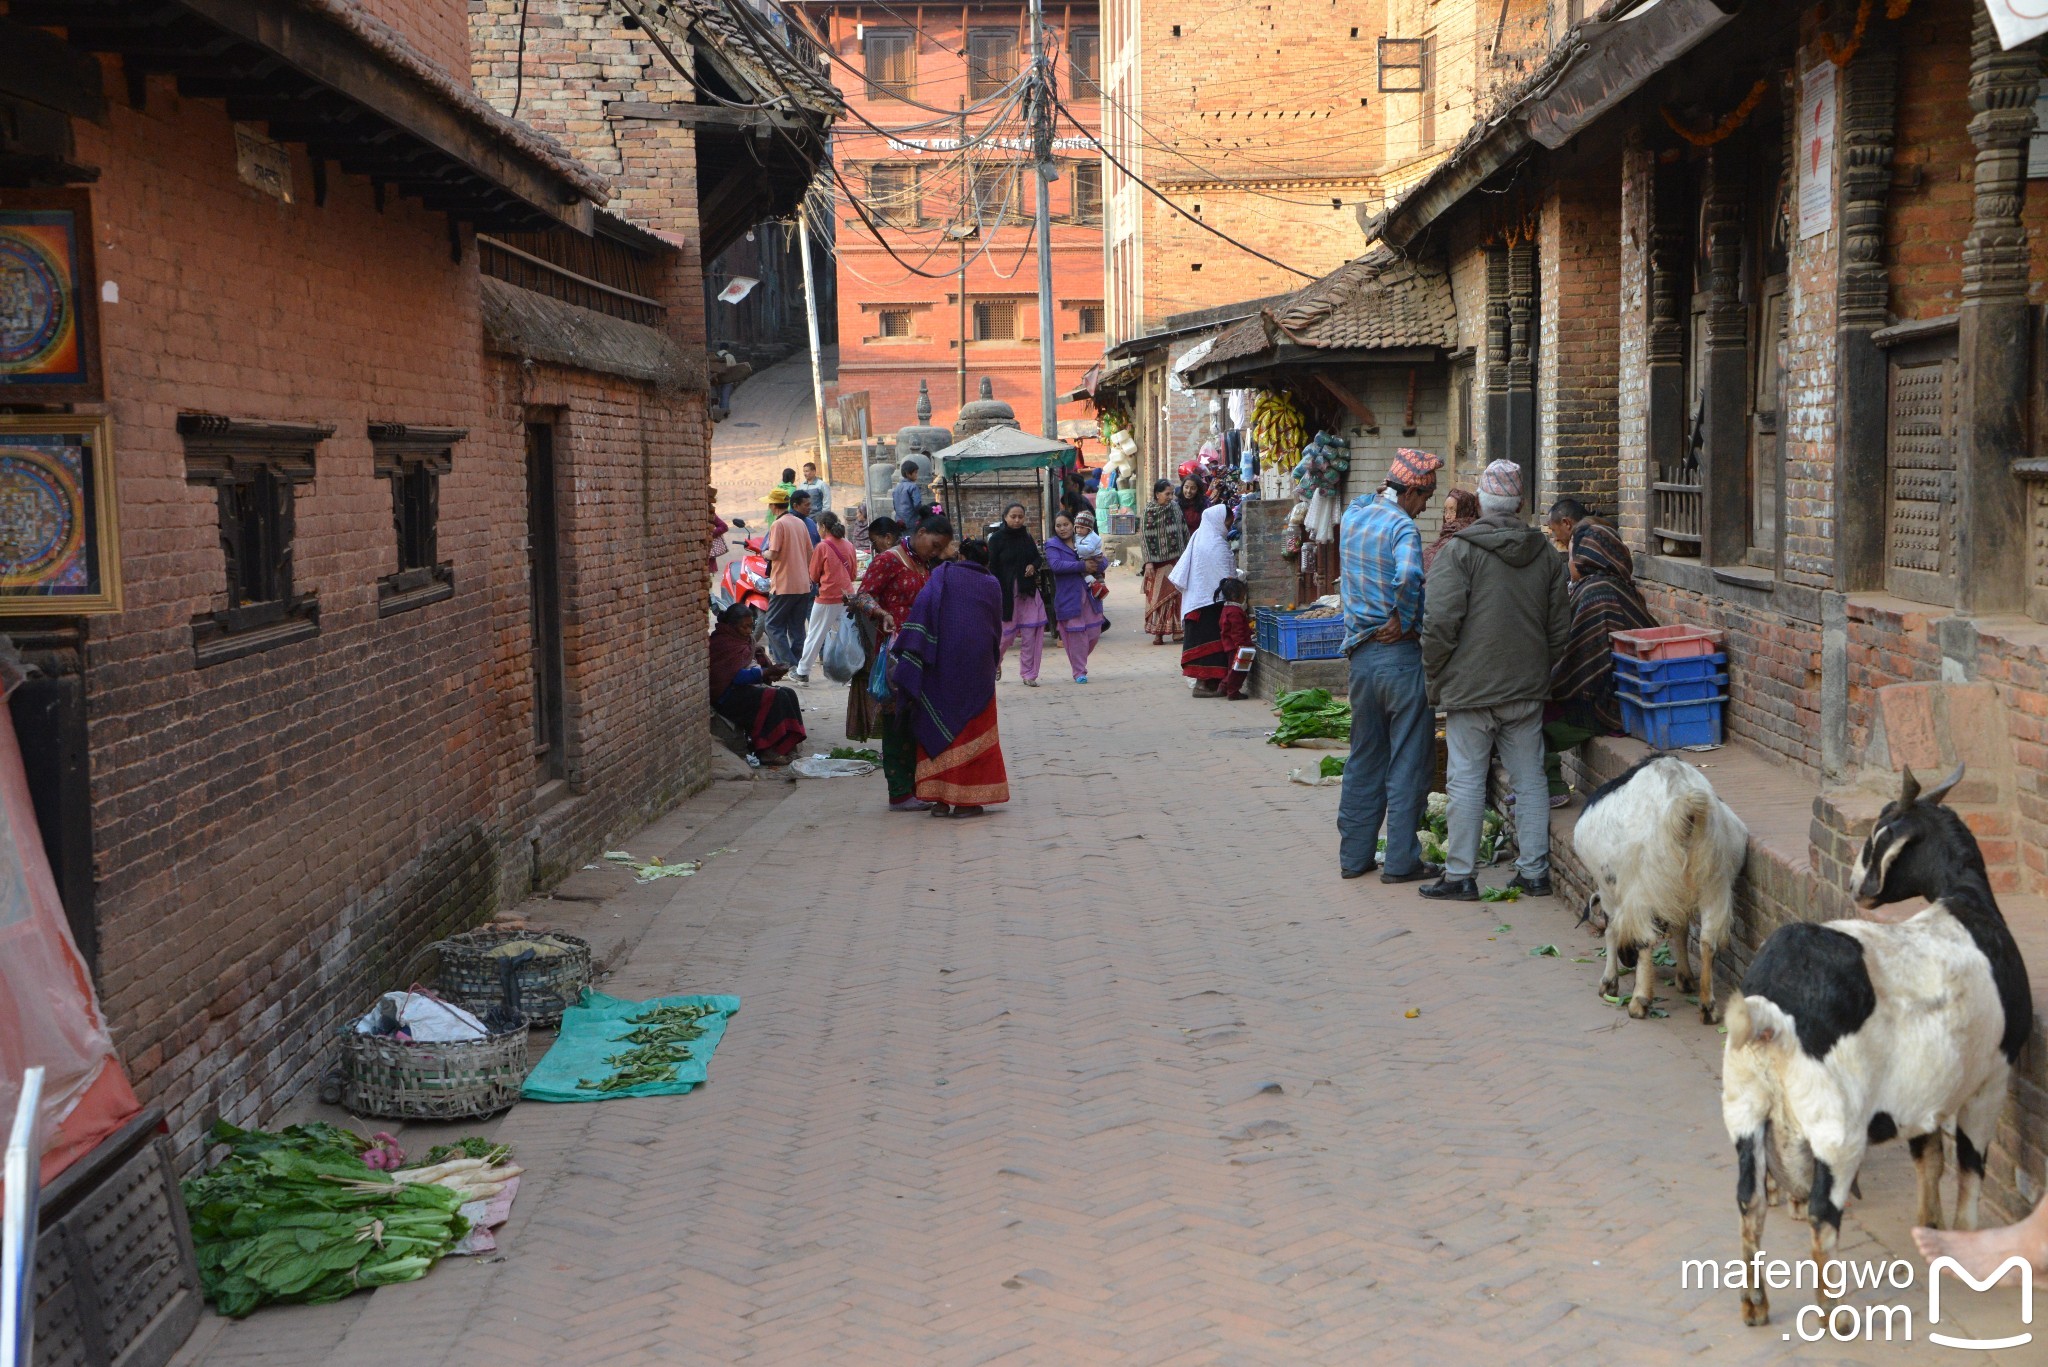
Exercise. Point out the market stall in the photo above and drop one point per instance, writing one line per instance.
(985, 473)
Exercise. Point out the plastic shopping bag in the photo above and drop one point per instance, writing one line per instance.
(878, 675)
(842, 652)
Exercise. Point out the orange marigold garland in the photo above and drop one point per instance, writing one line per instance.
(1720, 132)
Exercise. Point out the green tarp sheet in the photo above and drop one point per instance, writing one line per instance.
(591, 1030)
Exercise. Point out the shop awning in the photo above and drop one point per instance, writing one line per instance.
(1003, 448)
(1379, 307)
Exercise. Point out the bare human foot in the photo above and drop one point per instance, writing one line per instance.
(1982, 1252)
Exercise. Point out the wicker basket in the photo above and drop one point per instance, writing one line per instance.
(547, 987)
(407, 1080)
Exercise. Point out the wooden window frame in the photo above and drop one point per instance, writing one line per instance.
(413, 459)
(1006, 303)
(981, 82)
(1084, 84)
(1007, 207)
(880, 87)
(906, 313)
(1396, 55)
(1086, 214)
(909, 216)
(254, 468)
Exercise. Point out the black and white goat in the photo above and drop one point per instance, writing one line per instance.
(1854, 1032)
(1662, 852)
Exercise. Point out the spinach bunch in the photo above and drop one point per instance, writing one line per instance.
(296, 1216)
(1310, 712)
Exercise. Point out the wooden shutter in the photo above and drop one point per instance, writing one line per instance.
(1921, 420)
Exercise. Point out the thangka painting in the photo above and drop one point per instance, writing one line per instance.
(59, 550)
(48, 298)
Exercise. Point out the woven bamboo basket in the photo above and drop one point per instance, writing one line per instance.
(547, 987)
(462, 1080)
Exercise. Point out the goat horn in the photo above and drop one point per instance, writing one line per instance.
(1936, 794)
(1909, 787)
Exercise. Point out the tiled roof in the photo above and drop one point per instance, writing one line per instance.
(1379, 301)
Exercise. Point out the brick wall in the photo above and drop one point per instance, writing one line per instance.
(438, 28)
(1934, 162)
(1467, 253)
(1773, 670)
(1632, 345)
(1579, 319)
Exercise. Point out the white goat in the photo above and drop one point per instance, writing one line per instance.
(1662, 852)
(1854, 1032)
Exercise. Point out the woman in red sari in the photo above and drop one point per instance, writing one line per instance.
(744, 692)
(944, 672)
(887, 591)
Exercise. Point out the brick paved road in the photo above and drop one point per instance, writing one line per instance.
(1122, 1074)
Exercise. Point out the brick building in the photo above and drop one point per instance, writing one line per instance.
(411, 432)
(937, 205)
(1764, 287)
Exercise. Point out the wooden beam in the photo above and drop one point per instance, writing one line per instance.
(1355, 405)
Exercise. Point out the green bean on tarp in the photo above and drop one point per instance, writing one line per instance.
(602, 1041)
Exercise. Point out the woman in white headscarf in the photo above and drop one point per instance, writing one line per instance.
(1205, 564)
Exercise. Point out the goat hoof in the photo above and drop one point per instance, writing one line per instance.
(1756, 1313)
(1710, 1013)
(1687, 983)
(1638, 1007)
(1610, 987)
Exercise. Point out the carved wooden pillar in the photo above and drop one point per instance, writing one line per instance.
(1669, 304)
(1993, 339)
(1867, 99)
(1724, 448)
(1521, 406)
(1496, 354)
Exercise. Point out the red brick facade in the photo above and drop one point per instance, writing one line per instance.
(278, 837)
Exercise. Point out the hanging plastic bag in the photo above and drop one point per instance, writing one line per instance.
(842, 652)
(878, 675)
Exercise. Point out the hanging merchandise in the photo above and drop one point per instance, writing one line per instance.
(1290, 541)
(1322, 516)
(1279, 429)
(1323, 466)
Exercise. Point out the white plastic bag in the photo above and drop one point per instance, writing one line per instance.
(427, 1019)
(824, 766)
(842, 654)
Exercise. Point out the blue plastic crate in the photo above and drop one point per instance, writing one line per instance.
(1292, 637)
(1669, 725)
(1650, 673)
(1676, 690)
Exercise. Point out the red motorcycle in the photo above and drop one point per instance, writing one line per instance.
(745, 580)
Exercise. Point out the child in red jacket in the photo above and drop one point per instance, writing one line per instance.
(1236, 626)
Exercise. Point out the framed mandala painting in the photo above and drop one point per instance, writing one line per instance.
(60, 552)
(49, 297)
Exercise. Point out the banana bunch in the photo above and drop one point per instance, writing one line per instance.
(1279, 429)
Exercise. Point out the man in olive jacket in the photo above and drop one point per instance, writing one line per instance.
(1496, 615)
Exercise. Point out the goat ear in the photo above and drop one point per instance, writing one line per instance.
(1934, 795)
(1909, 787)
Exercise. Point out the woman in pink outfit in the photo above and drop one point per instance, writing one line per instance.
(832, 565)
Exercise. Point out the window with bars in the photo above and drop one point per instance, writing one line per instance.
(995, 320)
(995, 200)
(1090, 317)
(891, 61)
(892, 323)
(413, 459)
(991, 61)
(893, 195)
(1087, 183)
(1084, 64)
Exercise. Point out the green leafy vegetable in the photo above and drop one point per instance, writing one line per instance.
(853, 752)
(1500, 894)
(661, 1041)
(1544, 952)
(474, 1146)
(296, 1216)
(1307, 713)
(1331, 767)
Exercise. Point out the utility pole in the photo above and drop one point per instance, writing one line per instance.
(968, 195)
(803, 237)
(1041, 145)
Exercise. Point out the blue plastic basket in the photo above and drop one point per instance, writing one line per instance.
(1669, 725)
(1675, 690)
(1292, 637)
(1643, 675)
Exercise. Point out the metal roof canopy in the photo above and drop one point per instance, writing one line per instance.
(1003, 448)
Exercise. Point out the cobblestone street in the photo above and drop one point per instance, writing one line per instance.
(1123, 1073)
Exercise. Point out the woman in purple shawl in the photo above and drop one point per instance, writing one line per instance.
(1074, 608)
(944, 673)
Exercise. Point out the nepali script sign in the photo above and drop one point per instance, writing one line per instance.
(1006, 144)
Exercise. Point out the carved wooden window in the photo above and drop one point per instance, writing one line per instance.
(893, 323)
(412, 460)
(1922, 415)
(995, 320)
(255, 469)
(991, 61)
(891, 61)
